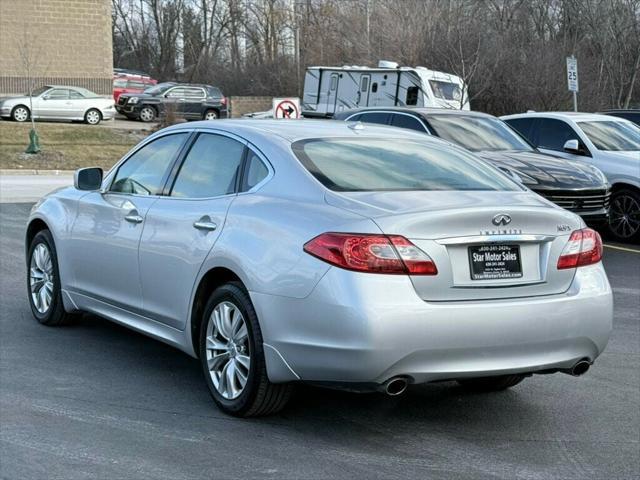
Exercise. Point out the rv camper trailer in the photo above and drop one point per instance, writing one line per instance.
(328, 90)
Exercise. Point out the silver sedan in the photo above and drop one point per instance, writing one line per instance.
(358, 257)
(58, 103)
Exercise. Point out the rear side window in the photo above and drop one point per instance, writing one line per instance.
(58, 94)
(210, 169)
(553, 134)
(381, 118)
(255, 172)
(144, 172)
(380, 164)
(407, 121)
(214, 92)
(522, 126)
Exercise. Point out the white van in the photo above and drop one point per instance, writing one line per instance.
(328, 90)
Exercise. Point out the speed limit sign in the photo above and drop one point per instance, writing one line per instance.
(572, 74)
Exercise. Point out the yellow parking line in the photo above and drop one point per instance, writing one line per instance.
(622, 248)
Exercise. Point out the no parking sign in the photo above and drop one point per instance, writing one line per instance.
(286, 107)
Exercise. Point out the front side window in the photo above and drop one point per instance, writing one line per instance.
(143, 173)
(176, 93)
(383, 164)
(407, 121)
(522, 126)
(612, 136)
(119, 83)
(553, 134)
(381, 118)
(475, 133)
(58, 94)
(210, 169)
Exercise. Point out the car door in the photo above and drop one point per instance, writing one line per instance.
(194, 98)
(78, 104)
(182, 227)
(174, 100)
(54, 104)
(550, 135)
(109, 224)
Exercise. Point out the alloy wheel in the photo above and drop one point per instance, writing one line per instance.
(228, 353)
(41, 278)
(147, 114)
(624, 218)
(20, 114)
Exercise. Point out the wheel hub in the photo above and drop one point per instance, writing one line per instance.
(41, 278)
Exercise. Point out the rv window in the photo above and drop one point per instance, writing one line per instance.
(364, 84)
(446, 90)
(412, 95)
(374, 87)
(334, 82)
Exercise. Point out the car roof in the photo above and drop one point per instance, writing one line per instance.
(417, 110)
(293, 130)
(575, 116)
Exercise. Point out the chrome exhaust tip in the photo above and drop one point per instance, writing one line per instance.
(580, 368)
(395, 386)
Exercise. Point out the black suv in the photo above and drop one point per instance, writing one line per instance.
(576, 186)
(191, 101)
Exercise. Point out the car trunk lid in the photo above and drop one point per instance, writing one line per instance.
(514, 258)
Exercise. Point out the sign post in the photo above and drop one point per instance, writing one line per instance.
(286, 107)
(572, 79)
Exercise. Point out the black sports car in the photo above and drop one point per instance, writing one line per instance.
(578, 187)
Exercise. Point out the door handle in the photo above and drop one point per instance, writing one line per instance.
(133, 218)
(203, 224)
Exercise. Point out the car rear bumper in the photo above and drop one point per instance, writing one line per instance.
(367, 328)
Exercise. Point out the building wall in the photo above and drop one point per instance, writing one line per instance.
(64, 42)
(241, 105)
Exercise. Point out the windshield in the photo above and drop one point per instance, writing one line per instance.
(370, 164)
(446, 90)
(478, 134)
(38, 91)
(159, 88)
(612, 136)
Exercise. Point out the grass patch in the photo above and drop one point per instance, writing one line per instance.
(64, 146)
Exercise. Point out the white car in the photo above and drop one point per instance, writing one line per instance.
(609, 143)
(54, 102)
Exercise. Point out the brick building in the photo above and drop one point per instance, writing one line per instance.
(63, 42)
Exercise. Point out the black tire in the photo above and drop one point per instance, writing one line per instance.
(16, 113)
(93, 116)
(210, 114)
(55, 315)
(491, 384)
(259, 396)
(147, 114)
(624, 216)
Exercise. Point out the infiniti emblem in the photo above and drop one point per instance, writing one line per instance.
(501, 219)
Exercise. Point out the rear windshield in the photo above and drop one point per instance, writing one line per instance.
(367, 164)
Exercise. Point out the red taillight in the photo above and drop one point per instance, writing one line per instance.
(392, 254)
(583, 248)
(223, 100)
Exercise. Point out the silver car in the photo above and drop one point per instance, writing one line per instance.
(357, 257)
(612, 144)
(54, 102)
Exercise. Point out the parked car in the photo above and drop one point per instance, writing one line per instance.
(629, 114)
(57, 102)
(611, 144)
(353, 256)
(191, 101)
(580, 188)
(127, 81)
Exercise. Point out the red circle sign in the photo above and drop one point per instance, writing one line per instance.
(286, 109)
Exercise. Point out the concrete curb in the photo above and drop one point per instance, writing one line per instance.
(30, 171)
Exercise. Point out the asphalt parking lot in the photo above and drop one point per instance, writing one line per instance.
(97, 400)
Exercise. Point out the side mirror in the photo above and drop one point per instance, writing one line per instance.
(572, 146)
(89, 179)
